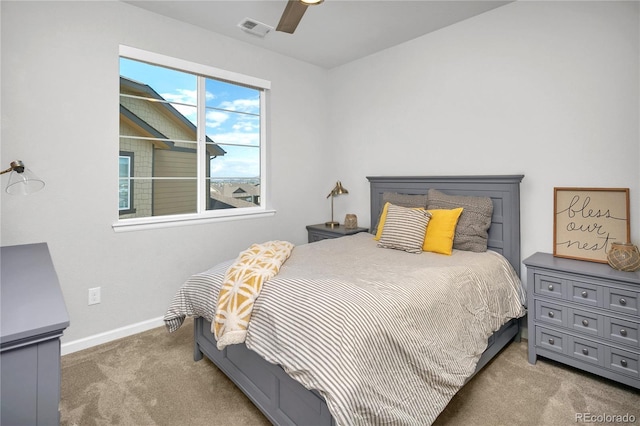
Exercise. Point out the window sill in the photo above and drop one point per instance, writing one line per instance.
(128, 225)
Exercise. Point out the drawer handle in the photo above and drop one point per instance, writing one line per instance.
(586, 323)
(623, 332)
(623, 362)
(623, 301)
(585, 294)
(550, 287)
(551, 342)
(585, 351)
(551, 314)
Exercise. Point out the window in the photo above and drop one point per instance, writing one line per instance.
(197, 134)
(125, 205)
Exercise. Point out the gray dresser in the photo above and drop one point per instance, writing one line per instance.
(33, 318)
(586, 315)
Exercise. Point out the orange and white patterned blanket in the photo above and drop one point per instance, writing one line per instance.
(242, 285)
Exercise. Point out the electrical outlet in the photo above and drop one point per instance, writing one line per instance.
(94, 295)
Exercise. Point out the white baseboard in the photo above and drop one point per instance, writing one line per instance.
(108, 336)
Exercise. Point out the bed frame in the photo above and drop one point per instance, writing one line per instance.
(285, 401)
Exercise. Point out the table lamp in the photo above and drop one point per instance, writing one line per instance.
(337, 190)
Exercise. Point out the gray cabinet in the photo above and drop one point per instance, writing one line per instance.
(33, 318)
(586, 315)
(322, 232)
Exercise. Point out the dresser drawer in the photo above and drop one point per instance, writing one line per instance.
(585, 293)
(586, 350)
(550, 286)
(621, 331)
(550, 313)
(586, 322)
(622, 362)
(622, 300)
(551, 340)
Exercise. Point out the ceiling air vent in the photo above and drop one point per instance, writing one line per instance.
(254, 27)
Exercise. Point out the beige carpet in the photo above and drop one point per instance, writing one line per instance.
(151, 379)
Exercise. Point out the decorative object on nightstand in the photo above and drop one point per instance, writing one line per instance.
(337, 190)
(22, 181)
(624, 257)
(351, 221)
(322, 232)
(586, 315)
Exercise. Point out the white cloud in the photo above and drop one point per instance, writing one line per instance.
(216, 118)
(237, 138)
(242, 105)
(183, 96)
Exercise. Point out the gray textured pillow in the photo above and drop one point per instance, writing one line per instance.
(404, 228)
(473, 226)
(403, 200)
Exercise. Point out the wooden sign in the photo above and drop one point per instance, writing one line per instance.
(587, 220)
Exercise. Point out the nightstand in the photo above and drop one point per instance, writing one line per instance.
(586, 315)
(322, 232)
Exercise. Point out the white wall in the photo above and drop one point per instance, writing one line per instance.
(545, 89)
(60, 116)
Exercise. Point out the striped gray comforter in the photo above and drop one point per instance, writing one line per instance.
(386, 337)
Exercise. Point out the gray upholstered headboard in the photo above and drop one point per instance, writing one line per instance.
(504, 191)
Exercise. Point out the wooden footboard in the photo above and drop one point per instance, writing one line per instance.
(283, 400)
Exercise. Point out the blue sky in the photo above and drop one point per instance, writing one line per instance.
(232, 115)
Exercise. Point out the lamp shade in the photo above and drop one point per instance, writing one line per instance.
(24, 183)
(337, 190)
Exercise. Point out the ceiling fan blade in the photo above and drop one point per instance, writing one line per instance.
(291, 16)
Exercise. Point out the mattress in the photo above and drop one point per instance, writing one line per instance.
(385, 336)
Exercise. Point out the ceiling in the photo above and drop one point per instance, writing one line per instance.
(330, 34)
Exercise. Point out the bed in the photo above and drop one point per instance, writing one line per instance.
(285, 401)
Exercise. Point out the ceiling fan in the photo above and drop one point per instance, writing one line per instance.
(293, 13)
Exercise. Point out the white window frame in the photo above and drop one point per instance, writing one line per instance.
(203, 215)
(130, 198)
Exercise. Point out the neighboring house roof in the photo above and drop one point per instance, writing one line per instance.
(224, 193)
(229, 201)
(146, 128)
(144, 90)
(245, 188)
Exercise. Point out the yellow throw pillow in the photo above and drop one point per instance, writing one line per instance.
(441, 230)
(383, 217)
